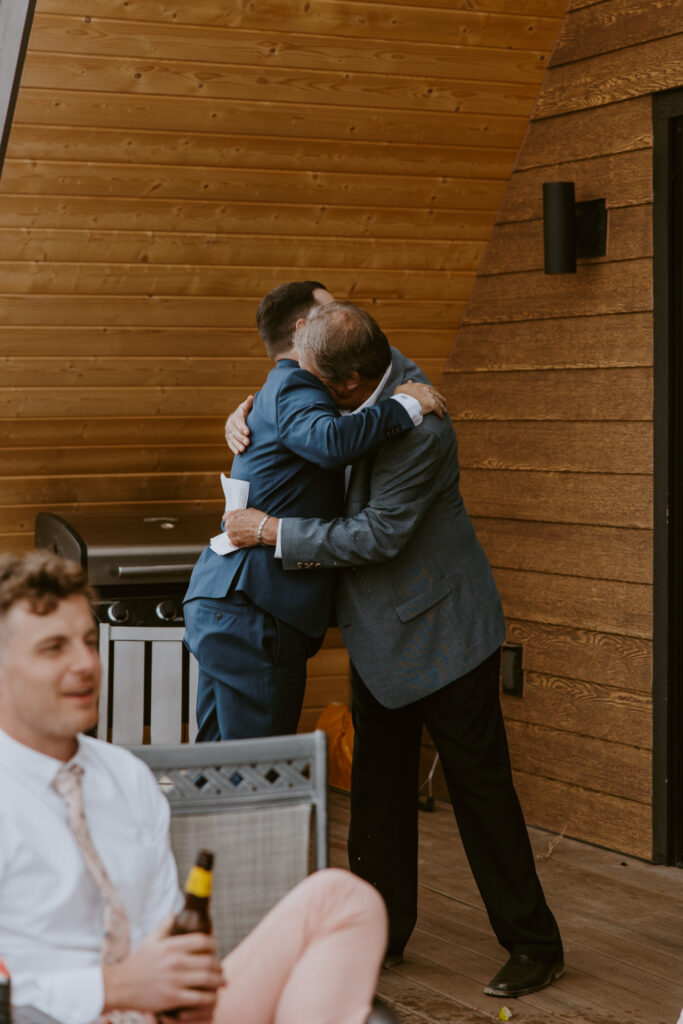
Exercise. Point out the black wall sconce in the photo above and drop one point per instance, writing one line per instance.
(571, 229)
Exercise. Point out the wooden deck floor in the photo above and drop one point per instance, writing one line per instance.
(621, 922)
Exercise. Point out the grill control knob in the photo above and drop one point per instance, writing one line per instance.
(166, 610)
(118, 613)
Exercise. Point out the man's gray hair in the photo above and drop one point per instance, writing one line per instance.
(340, 338)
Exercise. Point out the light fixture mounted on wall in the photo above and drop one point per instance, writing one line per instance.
(571, 230)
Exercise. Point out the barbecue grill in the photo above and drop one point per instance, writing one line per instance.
(140, 567)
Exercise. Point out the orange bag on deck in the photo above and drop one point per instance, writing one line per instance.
(335, 720)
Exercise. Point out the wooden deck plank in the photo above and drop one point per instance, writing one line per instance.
(620, 919)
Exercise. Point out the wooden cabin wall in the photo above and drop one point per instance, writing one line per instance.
(169, 164)
(551, 382)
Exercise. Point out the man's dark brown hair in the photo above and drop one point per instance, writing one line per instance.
(41, 578)
(279, 310)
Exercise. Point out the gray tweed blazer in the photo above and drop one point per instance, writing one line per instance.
(416, 601)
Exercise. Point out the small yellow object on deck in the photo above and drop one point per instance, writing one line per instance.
(505, 1014)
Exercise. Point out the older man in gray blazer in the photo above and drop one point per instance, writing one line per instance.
(420, 615)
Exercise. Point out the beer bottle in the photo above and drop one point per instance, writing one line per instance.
(5, 997)
(195, 917)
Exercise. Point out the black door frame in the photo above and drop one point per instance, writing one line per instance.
(667, 689)
(15, 26)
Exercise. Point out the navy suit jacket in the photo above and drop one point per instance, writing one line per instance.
(295, 463)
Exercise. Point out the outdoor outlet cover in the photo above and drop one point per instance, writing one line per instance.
(512, 673)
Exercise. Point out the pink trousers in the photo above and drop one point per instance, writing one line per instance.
(313, 959)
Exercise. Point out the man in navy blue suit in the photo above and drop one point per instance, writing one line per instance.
(251, 625)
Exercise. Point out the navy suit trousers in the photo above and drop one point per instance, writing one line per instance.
(252, 672)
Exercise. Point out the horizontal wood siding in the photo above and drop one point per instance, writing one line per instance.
(550, 380)
(169, 164)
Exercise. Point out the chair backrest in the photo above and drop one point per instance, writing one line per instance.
(149, 685)
(251, 802)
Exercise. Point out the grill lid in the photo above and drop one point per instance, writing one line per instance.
(124, 549)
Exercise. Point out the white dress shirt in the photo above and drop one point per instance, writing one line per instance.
(411, 406)
(51, 933)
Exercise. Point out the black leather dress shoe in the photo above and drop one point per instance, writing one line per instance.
(393, 958)
(522, 975)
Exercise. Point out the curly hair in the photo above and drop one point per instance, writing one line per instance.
(41, 578)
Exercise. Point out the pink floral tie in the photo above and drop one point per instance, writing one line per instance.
(68, 782)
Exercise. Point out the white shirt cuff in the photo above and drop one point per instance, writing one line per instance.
(411, 406)
(73, 996)
(278, 543)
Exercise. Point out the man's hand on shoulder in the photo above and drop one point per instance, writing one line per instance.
(236, 429)
(164, 972)
(242, 527)
(429, 398)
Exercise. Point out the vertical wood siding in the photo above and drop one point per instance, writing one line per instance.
(169, 164)
(551, 382)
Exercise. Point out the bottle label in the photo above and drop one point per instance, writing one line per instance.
(198, 882)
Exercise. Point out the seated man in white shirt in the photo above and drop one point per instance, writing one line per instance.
(315, 957)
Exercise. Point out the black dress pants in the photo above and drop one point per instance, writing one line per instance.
(465, 721)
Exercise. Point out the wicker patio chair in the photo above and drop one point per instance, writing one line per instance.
(260, 805)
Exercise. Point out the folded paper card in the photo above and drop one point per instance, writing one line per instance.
(236, 496)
